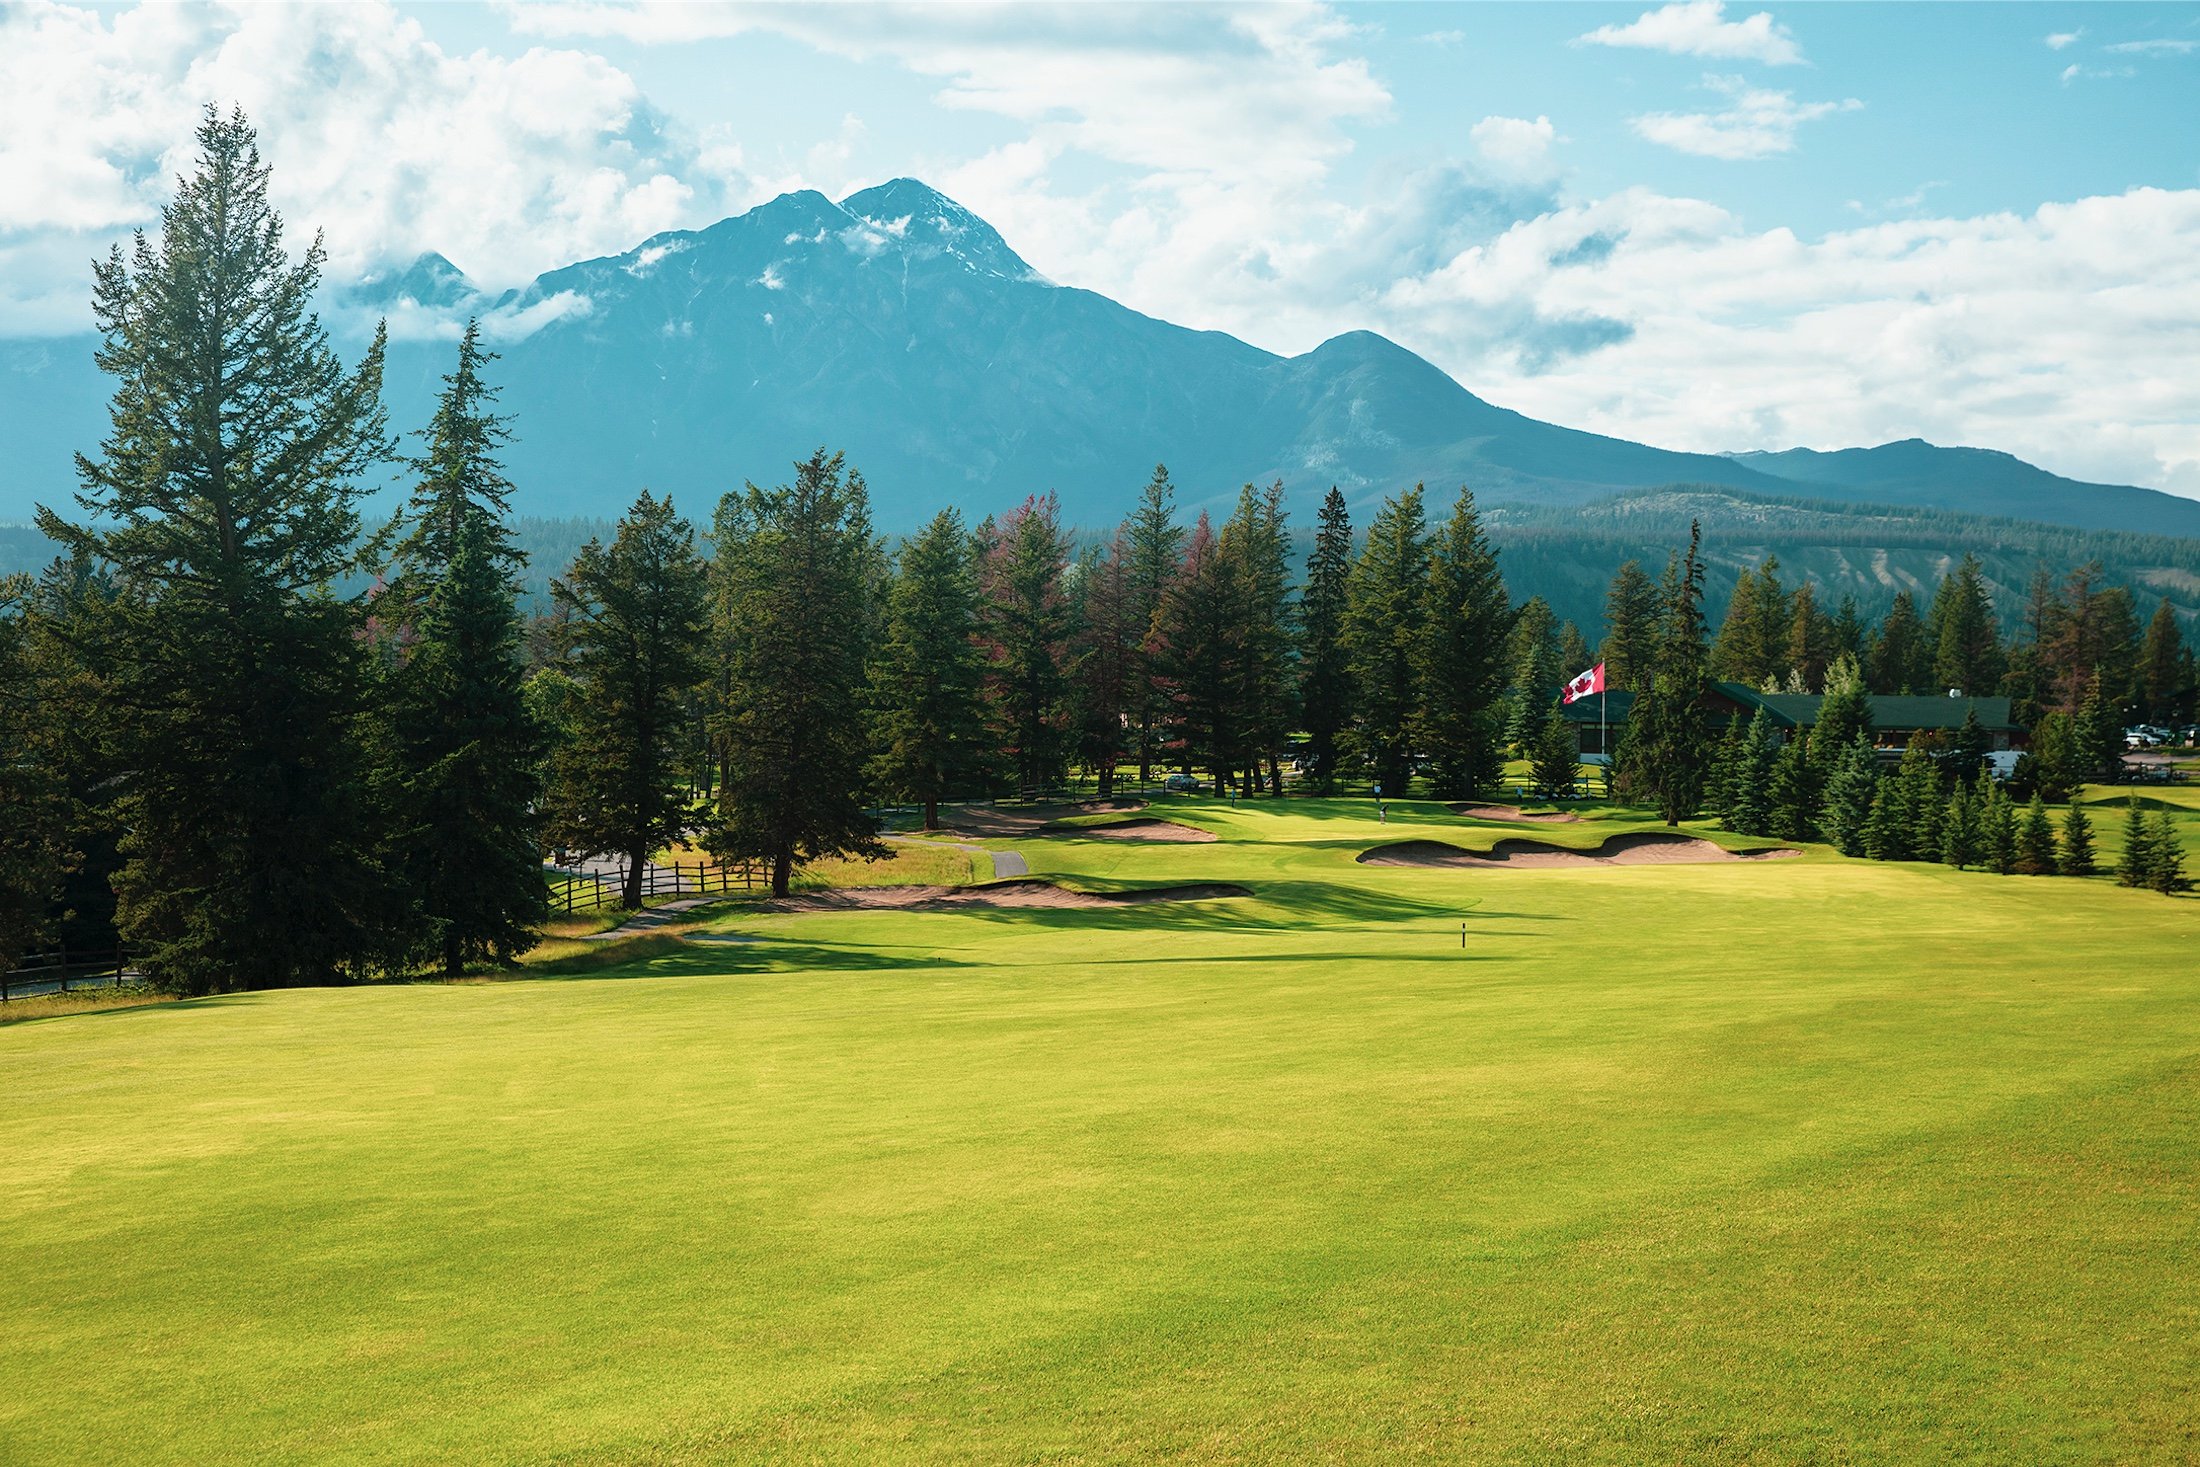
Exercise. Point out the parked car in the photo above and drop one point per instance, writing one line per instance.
(1181, 784)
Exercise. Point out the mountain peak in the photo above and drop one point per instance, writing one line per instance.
(929, 223)
(430, 281)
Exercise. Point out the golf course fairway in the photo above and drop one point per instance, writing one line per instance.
(1763, 1161)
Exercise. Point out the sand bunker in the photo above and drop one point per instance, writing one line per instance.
(1005, 820)
(1029, 892)
(1645, 848)
(1143, 828)
(1510, 812)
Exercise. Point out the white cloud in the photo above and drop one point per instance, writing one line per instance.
(1515, 144)
(2075, 72)
(2162, 47)
(2065, 336)
(1756, 123)
(2061, 40)
(1700, 28)
(508, 165)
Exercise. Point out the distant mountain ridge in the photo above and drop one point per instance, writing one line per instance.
(902, 328)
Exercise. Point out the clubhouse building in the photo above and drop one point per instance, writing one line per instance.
(1599, 719)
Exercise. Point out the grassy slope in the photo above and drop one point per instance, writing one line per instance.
(1811, 1159)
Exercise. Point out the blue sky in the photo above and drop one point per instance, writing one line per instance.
(1707, 226)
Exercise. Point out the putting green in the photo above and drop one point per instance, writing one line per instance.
(1765, 1161)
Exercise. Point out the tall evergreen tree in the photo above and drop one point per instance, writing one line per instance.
(1752, 641)
(468, 754)
(1967, 749)
(35, 851)
(1901, 661)
(1105, 648)
(2076, 856)
(1959, 829)
(2137, 866)
(1665, 754)
(1845, 714)
(1532, 670)
(930, 741)
(1795, 792)
(224, 500)
(1383, 634)
(1997, 826)
(1155, 551)
(1809, 643)
(1325, 675)
(635, 625)
(2166, 863)
(1461, 662)
(1256, 550)
(1574, 655)
(1846, 810)
(1967, 646)
(1024, 623)
(1749, 796)
(1848, 633)
(2162, 667)
(1198, 644)
(2097, 735)
(1554, 757)
(2036, 841)
(1631, 612)
(798, 565)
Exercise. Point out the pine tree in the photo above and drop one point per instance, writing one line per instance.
(1920, 798)
(1256, 549)
(1532, 671)
(1198, 644)
(2036, 841)
(2077, 843)
(1155, 551)
(1845, 715)
(1103, 652)
(634, 629)
(1793, 793)
(1959, 830)
(796, 561)
(1554, 757)
(1325, 685)
(2137, 866)
(1574, 655)
(1967, 749)
(1723, 785)
(1461, 657)
(470, 756)
(1967, 647)
(2162, 666)
(1750, 797)
(1383, 633)
(1631, 612)
(1848, 798)
(2166, 864)
(467, 752)
(2098, 736)
(1809, 646)
(929, 735)
(1024, 624)
(2050, 765)
(1664, 755)
(1848, 633)
(1886, 833)
(1997, 828)
(225, 503)
(1901, 662)
(35, 850)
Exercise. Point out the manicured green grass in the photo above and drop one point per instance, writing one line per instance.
(1811, 1160)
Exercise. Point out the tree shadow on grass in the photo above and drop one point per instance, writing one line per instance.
(736, 959)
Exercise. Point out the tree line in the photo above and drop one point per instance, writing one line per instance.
(259, 778)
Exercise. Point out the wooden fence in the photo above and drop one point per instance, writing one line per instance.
(589, 891)
(64, 971)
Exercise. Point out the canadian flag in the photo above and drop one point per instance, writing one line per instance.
(1589, 682)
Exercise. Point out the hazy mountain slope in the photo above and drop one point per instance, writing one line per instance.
(903, 329)
(1982, 479)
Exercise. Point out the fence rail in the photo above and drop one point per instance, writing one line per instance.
(574, 891)
(65, 971)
